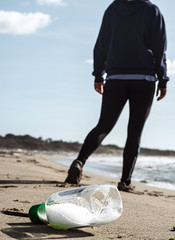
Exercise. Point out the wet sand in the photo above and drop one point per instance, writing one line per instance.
(28, 179)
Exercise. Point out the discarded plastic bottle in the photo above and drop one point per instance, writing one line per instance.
(82, 207)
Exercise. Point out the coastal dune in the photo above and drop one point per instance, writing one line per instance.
(28, 178)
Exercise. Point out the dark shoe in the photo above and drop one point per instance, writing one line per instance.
(75, 172)
(126, 188)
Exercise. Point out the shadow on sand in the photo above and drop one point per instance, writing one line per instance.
(32, 231)
(39, 232)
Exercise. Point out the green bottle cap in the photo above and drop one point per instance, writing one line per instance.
(33, 214)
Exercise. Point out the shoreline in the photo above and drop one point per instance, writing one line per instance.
(26, 180)
(103, 166)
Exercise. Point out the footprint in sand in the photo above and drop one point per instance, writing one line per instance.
(32, 161)
(87, 177)
(9, 186)
(14, 212)
(170, 196)
(16, 200)
(155, 194)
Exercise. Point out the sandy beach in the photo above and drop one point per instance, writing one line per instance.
(28, 179)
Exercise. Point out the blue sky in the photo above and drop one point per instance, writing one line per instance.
(46, 87)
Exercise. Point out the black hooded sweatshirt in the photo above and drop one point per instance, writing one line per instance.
(132, 40)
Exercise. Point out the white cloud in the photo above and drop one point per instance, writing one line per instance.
(89, 61)
(61, 3)
(171, 67)
(18, 23)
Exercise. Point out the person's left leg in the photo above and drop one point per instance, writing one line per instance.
(140, 102)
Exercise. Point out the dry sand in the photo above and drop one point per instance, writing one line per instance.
(28, 179)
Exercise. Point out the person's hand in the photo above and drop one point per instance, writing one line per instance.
(161, 93)
(99, 87)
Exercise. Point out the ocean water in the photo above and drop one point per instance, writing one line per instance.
(151, 170)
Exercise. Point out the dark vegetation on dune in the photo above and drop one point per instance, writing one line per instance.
(27, 142)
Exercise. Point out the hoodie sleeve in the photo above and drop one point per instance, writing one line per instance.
(99, 54)
(158, 45)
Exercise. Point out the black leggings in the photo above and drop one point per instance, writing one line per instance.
(140, 94)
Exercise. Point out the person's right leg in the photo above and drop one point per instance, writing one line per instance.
(140, 102)
(114, 98)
